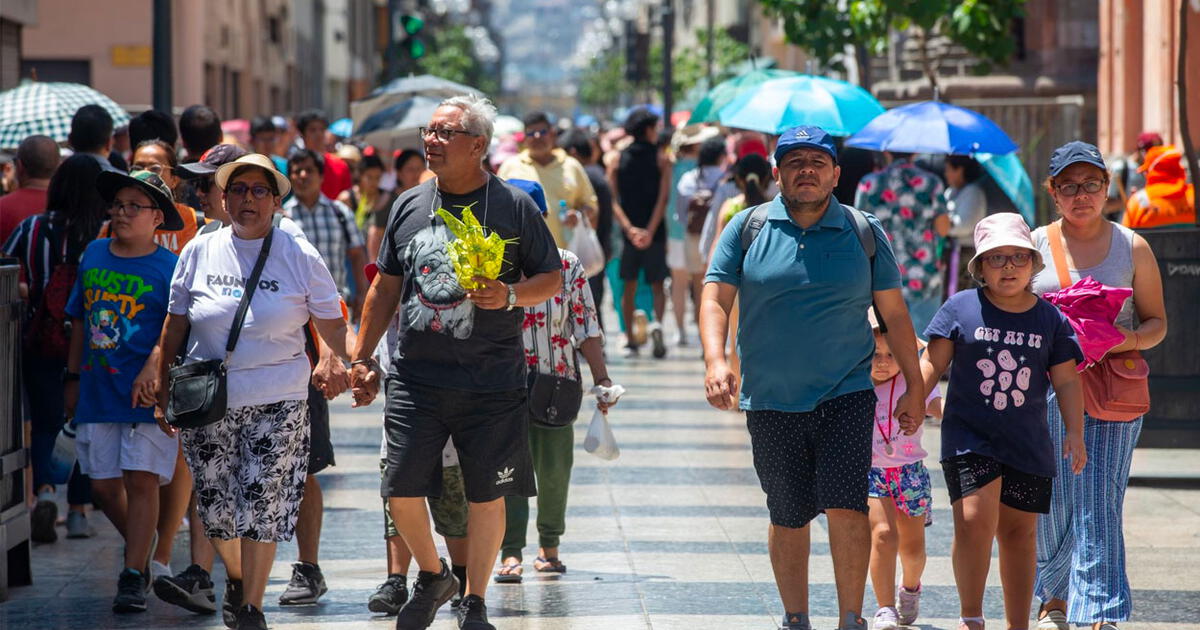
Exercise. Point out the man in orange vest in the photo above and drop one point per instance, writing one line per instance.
(1167, 198)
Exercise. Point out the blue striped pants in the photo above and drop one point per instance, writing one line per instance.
(1080, 543)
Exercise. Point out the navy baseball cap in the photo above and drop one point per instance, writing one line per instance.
(1073, 152)
(805, 137)
(211, 161)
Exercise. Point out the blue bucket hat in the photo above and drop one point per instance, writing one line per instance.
(534, 190)
(805, 137)
(1073, 152)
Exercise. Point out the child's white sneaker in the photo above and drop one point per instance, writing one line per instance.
(886, 619)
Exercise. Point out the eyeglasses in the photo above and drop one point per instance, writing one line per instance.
(239, 190)
(203, 185)
(443, 134)
(998, 261)
(1090, 186)
(129, 209)
(537, 134)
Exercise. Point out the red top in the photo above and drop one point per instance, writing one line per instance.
(337, 176)
(18, 205)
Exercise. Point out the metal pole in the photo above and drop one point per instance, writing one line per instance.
(162, 57)
(709, 10)
(668, 24)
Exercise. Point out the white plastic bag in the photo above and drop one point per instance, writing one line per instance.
(62, 457)
(600, 441)
(586, 246)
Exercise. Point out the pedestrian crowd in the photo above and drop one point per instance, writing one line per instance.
(192, 304)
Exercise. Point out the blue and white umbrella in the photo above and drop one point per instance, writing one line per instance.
(35, 107)
(777, 105)
(933, 127)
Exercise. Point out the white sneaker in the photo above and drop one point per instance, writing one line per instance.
(1054, 620)
(886, 618)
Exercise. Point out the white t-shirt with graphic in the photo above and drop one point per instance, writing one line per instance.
(269, 364)
(886, 435)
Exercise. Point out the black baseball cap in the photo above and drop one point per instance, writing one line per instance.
(211, 161)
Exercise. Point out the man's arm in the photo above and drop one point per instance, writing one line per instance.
(358, 263)
(380, 304)
(530, 291)
(720, 383)
(902, 340)
(664, 194)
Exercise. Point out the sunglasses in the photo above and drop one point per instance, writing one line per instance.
(202, 185)
(239, 190)
(998, 261)
(129, 209)
(1090, 186)
(537, 133)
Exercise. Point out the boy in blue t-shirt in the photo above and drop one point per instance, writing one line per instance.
(117, 310)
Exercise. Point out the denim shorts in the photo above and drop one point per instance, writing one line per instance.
(907, 485)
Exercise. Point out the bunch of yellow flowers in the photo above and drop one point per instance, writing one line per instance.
(476, 251)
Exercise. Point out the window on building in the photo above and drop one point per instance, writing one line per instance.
(68, 70)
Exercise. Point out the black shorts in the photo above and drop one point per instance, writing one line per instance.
(490, 431)
(968, 473)
(320, 453)
(811, 461)
(652, 260)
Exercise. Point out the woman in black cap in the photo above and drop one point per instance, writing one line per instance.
(1080, 548)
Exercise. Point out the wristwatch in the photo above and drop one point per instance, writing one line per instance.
(512, 297)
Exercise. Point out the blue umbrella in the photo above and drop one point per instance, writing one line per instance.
(342, 127)
(777, 105)
(933, 127)
(1011, 177)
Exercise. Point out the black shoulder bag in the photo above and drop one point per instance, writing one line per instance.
(554, 401)
(198, 393)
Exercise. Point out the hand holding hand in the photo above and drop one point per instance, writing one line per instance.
(910, 412)
(331, 377)
(721, 386)
(145, 388)
(492, 295)
(364, 382)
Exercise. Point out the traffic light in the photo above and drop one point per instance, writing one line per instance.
(410, 26)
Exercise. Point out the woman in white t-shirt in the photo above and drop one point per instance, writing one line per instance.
(250, 466)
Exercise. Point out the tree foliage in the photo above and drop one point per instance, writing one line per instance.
(982, 27)
(452, 56)
(603, 82)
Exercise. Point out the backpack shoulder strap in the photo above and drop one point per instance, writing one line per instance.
(341, 217)
(209, 227)
(754, 224)
(866, 237)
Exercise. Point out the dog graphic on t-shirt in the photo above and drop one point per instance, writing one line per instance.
(438, 302)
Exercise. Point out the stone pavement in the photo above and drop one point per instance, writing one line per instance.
(671, 535)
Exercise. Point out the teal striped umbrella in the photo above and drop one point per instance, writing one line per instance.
(777, 105)
(708, 108)
(41, 108)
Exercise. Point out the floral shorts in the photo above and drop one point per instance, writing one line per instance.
(907, 485)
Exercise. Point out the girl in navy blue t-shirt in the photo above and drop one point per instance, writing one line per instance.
(1004, 346)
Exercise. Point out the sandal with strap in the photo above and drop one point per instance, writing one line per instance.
(508, 574)
(549, 565)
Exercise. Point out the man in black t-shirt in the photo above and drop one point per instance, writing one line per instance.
(459, 367)
(641, 185)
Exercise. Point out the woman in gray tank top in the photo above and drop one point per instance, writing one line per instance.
(1080, 548)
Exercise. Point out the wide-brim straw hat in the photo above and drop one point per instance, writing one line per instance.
(253, 159)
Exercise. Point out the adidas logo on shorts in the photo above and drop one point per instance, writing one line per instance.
(504, 476)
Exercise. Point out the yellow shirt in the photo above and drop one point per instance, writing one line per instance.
(562, 179)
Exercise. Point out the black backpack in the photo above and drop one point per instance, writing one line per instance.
(866, 237)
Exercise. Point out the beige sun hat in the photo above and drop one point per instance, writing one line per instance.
(693, 134)
(253, 159)
(1002, 229)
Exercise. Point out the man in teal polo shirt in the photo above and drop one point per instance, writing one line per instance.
(805, 285)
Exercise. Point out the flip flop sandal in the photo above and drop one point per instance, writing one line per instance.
(509, 577)
(549, 565)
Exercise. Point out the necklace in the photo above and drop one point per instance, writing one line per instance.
(887, 437)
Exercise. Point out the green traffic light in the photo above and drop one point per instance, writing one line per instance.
(412, 24)
(416, 48)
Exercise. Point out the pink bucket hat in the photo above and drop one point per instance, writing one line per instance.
(1000, 230)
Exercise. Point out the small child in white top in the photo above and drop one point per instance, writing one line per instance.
(899, 494)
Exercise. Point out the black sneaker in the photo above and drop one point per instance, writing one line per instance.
(472, 614)
(231, 602)
(429, 592)
(131, 592)
(190, 589)
(41, 521)
(656, 339)
(390, 596)
(306, 587)
(250, 618)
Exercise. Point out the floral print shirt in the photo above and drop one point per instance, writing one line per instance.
(553, 329)
(906, 199)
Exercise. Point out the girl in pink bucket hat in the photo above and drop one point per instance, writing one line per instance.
(1004, 347)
